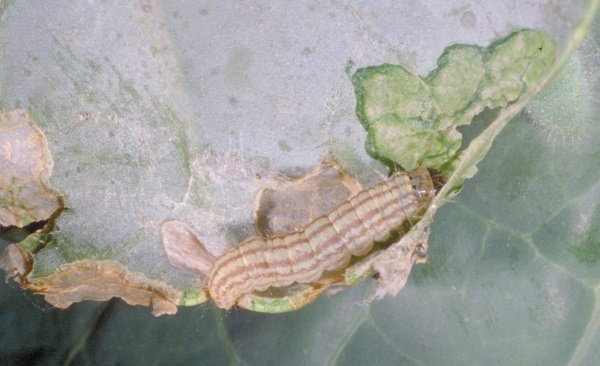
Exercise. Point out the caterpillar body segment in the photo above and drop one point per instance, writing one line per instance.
(325, 244)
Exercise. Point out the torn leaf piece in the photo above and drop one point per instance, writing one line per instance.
(390, 90)
(393, 264)
(515, 63)
(194, 297)
(458, 77)
(184, 248)
(291, 298)
(16, 261)
(411, 121)
(411, 142)
(101, 280)
(25, 165)
(288, 205)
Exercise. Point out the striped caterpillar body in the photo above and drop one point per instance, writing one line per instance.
(325, 244)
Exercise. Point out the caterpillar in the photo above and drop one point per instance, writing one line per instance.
(325, 244)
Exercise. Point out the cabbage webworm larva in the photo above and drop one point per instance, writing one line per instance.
(325, 244)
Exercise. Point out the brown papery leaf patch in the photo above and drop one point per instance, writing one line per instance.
(96, 280)
(184, 248)
(288, 205)
(25, 164)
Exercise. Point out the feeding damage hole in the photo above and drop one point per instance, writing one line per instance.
(28, 211)
(307, 248)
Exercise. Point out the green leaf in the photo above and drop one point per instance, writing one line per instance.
(454, 84)
(411, 143)
(412, 122)
(390, 90)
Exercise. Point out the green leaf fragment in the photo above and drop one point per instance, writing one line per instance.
(358, 273)
(25, 163)
(454, 84)
(412, 135)
(192, 297)
(516, 62)
(271, 305)
(35, 242)
(390, 90)
(412, 121)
